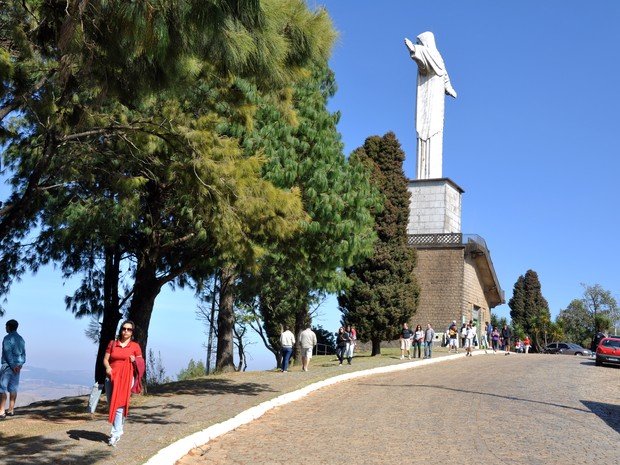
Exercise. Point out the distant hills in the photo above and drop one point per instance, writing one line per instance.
(41, 384)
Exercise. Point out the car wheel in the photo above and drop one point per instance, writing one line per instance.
(578, 354)
(597, 362)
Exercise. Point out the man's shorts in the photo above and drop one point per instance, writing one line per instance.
(453, 341)
(469, 343)
(306, 352)
(405, 344)
(9, 380)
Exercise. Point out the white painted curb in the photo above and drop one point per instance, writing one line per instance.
(179, 449)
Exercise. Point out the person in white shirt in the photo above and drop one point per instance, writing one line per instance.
(470, 333)
(287, 341)
(307, 341)
(418, 339)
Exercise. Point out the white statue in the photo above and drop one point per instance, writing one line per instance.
(433, 83)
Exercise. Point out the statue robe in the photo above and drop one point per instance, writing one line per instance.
(433, 83)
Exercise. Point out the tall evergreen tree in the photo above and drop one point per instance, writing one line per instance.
(105, 117)
(517, 303)
(384, 293)
(306, 152)
(530, 310)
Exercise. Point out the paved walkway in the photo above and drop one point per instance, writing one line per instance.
(517, 409)
(379, 416)
(61, 432)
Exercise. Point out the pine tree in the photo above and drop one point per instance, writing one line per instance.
(304, 151)
(384, 292)
(530, 310)
(120, 107)
(517, 302)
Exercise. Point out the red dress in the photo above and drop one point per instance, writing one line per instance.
(122, 374)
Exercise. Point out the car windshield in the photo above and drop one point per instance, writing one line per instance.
(612, 343)
(574, 346)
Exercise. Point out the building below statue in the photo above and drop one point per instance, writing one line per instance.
(455, 272)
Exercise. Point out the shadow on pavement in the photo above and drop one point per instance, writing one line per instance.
(490, 394)
(94, 436)
(154, 415)
(609, 413)
(210, 386)
(28, 450)
(67, 408)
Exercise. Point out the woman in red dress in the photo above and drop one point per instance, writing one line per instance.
(121, 357)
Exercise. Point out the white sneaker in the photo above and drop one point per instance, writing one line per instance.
(402, 357)
(113, 441)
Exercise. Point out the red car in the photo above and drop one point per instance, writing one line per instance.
(608, 351)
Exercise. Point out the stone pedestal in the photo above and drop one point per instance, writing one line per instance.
(435, 206)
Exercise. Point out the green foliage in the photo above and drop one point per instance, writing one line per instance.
(602, 323)
(498, 322)
(529, 310)
(112, 117)
(155, 371)
(303, 150)
(384, 292)
(577, 323)
(597, 310)
(324, 336)
(600, 302)
(194, 370)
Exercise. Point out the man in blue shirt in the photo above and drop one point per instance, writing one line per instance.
(13, 358)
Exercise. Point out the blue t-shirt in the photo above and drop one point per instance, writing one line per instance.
(13, 350)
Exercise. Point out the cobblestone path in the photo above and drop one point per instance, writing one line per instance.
(495, 409)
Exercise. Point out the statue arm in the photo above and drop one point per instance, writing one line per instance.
(448, 86)
(410, 46)
(417, 57)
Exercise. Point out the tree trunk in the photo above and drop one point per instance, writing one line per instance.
(301, 317)
(376, 347)
(224, 361)
(111, 311)
(211, 326)
(146, 289)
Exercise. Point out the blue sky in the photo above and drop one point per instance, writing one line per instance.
(532, 139)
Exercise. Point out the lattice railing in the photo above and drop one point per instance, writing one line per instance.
(435, 239)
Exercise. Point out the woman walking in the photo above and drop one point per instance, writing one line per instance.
(342, 344)
(495, 339)
(124, 366)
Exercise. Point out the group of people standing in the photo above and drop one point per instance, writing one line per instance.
(491, 337)
(346, 338)
(467, 335)
(307, 341)
(416, 339)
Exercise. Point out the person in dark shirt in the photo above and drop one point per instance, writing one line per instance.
(405, 341)
(343, 339)
(506, 336)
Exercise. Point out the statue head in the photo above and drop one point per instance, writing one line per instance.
(427, 39)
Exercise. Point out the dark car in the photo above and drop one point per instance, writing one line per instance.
(608, 351)
(566, 348)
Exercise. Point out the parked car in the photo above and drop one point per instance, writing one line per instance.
(608, 351)
(566, 348)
